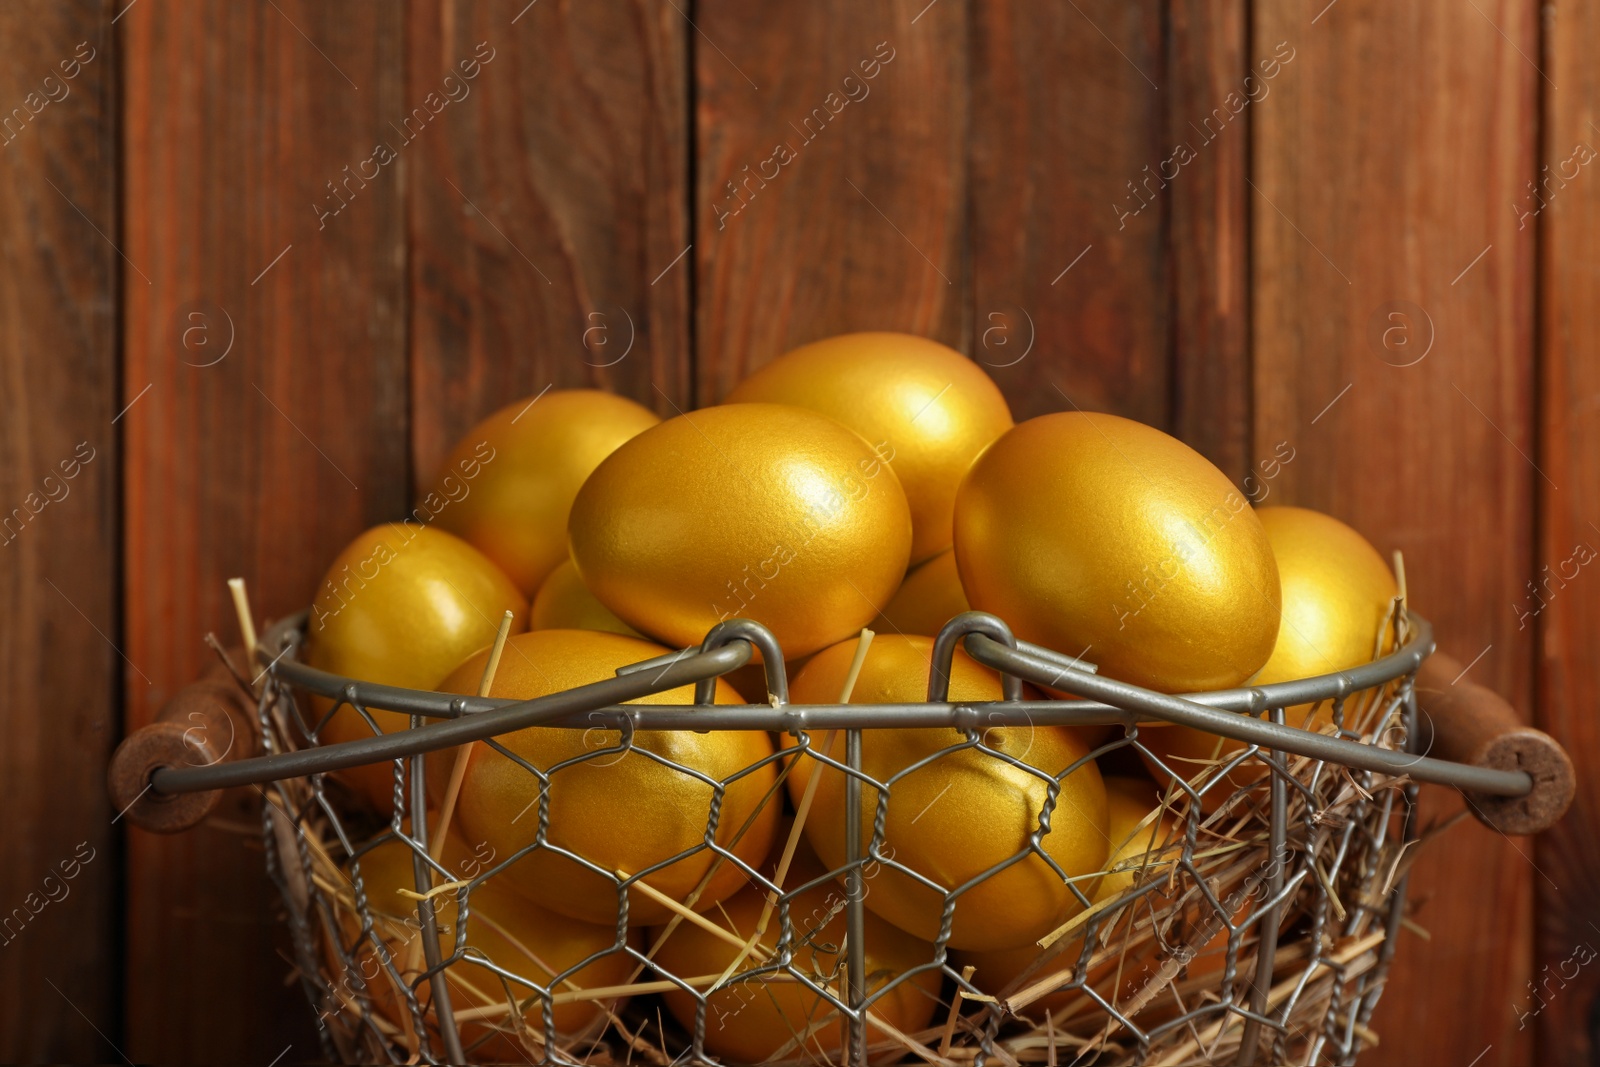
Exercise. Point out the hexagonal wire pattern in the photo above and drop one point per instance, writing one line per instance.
(1300, 872)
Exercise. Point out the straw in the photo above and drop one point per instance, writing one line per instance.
(247, 626)
(1144, 940)
(955, 1013)
(447, 807)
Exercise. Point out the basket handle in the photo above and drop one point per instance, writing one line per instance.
(1467, 723)
(209, 721)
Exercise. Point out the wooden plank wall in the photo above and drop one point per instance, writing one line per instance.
(1564, 1001)
(1371, 206)
(1066, 112)
(862, 113)
(240, 121)
(1208, 240)
(1259, 226)
(548, 210)
(59, 667)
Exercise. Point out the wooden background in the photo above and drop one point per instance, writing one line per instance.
(1354, 262)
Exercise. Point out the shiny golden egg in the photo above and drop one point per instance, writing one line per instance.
(1144, 846)
(1101, 537)
(925, 408)
(507, 485)
(1338, 594)
(760, 511)
(622, 809)
(565, 603)
(930, 596)
(961, 814)
(501, 927)
(749, 1021)
(402, 605)
(1143, 841)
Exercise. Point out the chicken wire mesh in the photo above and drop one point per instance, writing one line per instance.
(1257, 921)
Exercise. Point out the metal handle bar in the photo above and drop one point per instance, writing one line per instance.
(1212, 717)
(597, 704)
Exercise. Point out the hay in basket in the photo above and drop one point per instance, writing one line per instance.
(1229, 943)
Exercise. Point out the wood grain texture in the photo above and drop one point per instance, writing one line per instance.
(240, 123)
(58, 538)
(1387, 190)
(378, 303)
(831, 178)
(1208, 244)
(548, 205)
(1067, 141)
(1564, 1001)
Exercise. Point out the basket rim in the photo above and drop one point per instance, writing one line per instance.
(729, 645)
(987, 639)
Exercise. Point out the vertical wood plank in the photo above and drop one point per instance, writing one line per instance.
(831, 177)
(1563, 1003)
(58, 545)
(260, 459)
(1209, 244)
(1069, 212)
(1385, 163)
(548, 208)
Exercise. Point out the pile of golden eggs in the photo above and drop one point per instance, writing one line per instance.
(868, 480)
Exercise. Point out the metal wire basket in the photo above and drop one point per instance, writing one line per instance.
(1286, 865)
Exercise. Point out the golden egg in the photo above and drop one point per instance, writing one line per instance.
(1101, 537)
(927, 409)
(621, 810)
(1144, 848)
(507, 485)
(402, 605)
(961, 814)
(1141, 844)
(1338, 594)
(565, 603)
(1337, 597)
(930, 596)
(501, 927)
(750, 1021)
(760, 511)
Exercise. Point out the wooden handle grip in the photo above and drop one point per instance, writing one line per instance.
(207, 722)
(1467, 723)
